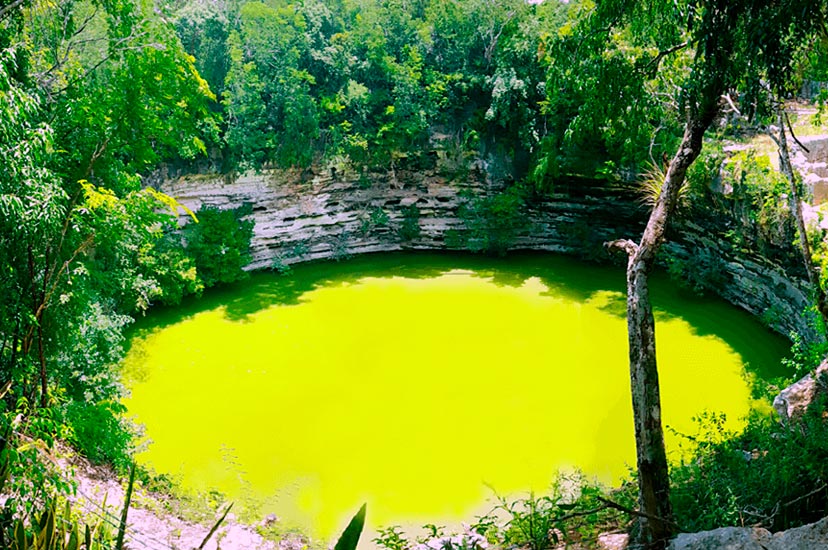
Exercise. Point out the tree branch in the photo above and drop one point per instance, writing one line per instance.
(729, 101)
(803, 497)
(574, 515)
(115, 50)
(47, 297)
(626, 245)
(71, 44)
(14, 5)
(616, 506)
(652, 66)
(490, 48)
(793, 135)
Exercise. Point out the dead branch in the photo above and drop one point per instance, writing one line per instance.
(729, 101)
(803, 497)
(626, 245)
(630, 511)
(652, 66)
(793, 135)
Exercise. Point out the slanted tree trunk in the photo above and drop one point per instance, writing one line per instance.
(656, 520)
(786, 168)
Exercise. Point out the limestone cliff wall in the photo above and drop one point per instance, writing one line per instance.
(303, 217)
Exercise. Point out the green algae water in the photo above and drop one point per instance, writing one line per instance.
(420, 383)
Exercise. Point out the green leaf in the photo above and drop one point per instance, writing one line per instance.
(20, 536)
(350, 536)
(73, 542)
(119, 543)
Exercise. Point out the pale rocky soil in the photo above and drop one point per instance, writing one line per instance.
(150, 523)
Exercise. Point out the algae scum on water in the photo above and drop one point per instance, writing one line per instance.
(420, 382)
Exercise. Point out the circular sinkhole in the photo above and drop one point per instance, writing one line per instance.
(420, 383)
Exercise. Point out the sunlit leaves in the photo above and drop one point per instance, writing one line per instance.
(372, 80)
(120, 89)
(624, 76)
(272, 116)
(219, 244)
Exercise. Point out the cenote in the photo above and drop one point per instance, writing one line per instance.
(420, 383)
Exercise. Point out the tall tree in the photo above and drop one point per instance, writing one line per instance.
(780, 137)
(92, 95)
(273, 117)
(726, 46)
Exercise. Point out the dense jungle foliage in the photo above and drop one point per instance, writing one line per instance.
(97, 94)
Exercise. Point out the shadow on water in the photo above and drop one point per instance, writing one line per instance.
(760, 349)
(564, 277)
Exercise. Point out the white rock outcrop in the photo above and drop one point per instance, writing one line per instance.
(314, 216)
(813, 536)
(793, 401)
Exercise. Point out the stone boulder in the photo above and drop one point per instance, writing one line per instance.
(807, 537)
(793, 401)
(724, 538)
(813, 535)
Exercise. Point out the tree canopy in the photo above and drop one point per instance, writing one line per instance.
(371, 81)
(728, 52)
(93, 95)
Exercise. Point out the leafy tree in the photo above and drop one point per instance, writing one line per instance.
(494, 221)
(786, 167)
(374, 80)
(122, 93)
(740, 45)
(204, 28)
(272, 116)
(92, 95)
(220, 244)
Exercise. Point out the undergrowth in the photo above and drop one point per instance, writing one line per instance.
(771, 475)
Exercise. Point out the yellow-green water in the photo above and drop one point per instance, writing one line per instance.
(418, 382)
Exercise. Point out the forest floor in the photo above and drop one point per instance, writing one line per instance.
(153, 522)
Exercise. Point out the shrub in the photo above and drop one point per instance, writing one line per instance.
(493, 222)
(100, 432)
(373, 218)
(759, 201)
(279, 265)
(585, 241)
(339, 246)
(771, 475)
(576, 509)
(805, 356)
(410, 226)
(220, 243)
(700, 271)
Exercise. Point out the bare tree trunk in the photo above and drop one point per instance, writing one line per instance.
(653, 475)
(786, 168)
(44, 379)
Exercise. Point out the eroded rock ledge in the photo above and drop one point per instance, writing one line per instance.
(303, 216)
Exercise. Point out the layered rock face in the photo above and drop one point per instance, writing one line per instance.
(303, 216)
